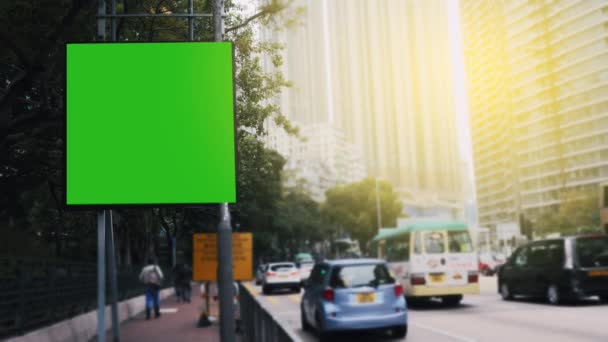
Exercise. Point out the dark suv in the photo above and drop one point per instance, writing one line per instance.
(561, 269)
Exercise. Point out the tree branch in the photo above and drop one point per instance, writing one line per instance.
(248, 20)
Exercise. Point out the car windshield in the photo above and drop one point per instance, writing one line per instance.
(281, 267)
(592, 251)
(360, 275)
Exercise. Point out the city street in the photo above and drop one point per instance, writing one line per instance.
(485, 317)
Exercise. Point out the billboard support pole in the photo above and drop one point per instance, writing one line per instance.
(105, 229)
(225, 276)
(190, 20)
(101, 277)
(111, 254)
(101, 220)
(112, 275)
(224, 233)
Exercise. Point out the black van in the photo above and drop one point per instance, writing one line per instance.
(561, 269)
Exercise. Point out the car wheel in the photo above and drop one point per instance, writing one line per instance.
(303, 321)
(505, 291)
(399, 332)
(451, 300)
(324, 336)
(296, 289)
(604, 299)
(553, 295)
(265, 290)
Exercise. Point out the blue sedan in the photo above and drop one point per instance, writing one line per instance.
(353, 294)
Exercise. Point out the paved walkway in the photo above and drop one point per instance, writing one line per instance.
(178, 322)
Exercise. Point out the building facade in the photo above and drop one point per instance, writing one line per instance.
(492, 125)
(319, 159)
(537, 75)
(379, 71)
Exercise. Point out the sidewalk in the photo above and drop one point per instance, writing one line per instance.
(178, 322)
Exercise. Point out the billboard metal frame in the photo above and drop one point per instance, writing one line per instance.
(105, 238)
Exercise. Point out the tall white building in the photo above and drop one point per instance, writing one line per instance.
(319, 159)
(538, 88)
(380, 71)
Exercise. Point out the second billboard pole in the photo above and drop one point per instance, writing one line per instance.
(224, 231)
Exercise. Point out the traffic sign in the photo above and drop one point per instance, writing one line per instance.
(204, 253)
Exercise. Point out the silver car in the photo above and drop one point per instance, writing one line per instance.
(353, 294)
(281, 275)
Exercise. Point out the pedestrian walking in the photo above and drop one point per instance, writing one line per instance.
(152, 277)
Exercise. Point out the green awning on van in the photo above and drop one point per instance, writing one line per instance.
(414, 226)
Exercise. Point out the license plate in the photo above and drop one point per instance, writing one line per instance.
(363, 298)
(283, 276)
(601, 273)
(436, 278)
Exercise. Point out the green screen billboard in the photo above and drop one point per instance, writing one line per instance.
(149, 124)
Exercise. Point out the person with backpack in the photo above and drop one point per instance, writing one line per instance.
(152, 277)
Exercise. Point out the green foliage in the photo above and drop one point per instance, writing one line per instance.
(577, 213)
(258, 184)
(299, 220)
(352, 208)
(32, 35)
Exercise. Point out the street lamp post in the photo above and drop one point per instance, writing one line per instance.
(378, 205)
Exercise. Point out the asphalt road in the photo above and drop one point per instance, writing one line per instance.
(483, 317)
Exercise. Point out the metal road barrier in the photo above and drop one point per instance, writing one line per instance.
(258, 324)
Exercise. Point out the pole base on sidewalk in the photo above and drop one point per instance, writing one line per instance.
(204, 321)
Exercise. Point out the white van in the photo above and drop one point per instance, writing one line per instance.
(431, 258)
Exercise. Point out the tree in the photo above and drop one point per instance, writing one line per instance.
(578, 212)
(32, 58)
(352, 208)
(298, 221)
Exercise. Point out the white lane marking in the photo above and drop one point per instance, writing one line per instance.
(444, 333)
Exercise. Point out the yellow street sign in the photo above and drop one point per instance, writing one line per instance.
(204, 253)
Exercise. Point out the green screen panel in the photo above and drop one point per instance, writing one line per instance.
(149, 124)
